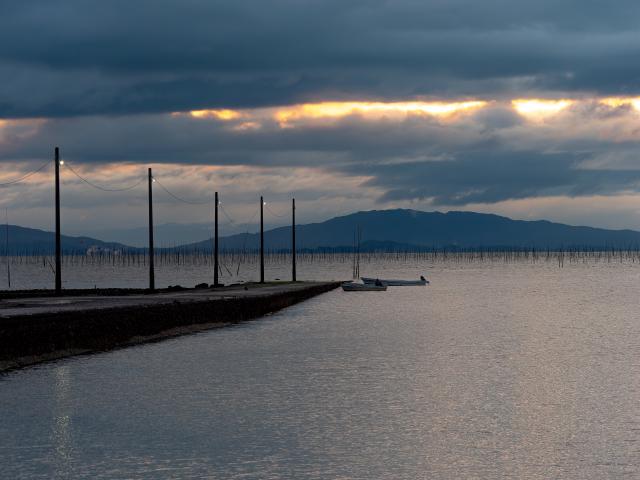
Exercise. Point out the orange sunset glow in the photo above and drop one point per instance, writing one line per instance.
(287, 115)
(224, 114)
(536, 108)
(622, 102)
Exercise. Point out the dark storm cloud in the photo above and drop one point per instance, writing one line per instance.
(494, 177)
(75, 57)
(186, 140)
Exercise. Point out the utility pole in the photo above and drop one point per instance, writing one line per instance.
(215, 245)
(261, 240)
(293, 240)
(58, 246)
(6, 251)
(359, 239)
(152, 280)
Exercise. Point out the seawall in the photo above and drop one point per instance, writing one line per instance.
(39, 329)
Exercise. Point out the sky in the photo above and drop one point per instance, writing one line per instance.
(524, 109)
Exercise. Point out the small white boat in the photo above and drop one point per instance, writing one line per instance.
(363, 287)
(396, 283)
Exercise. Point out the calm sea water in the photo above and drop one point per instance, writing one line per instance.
(38, 273)
(493, 371)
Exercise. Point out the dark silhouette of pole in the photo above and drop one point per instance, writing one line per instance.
(261, 240)
(215, 245)
(152, 280)
(6, 250)
(58, 245)
(358, 256)
(293, 240)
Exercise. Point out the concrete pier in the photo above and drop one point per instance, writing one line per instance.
(34, 329)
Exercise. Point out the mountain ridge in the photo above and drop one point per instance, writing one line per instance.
(456, 229)
(395, 229)
(26, 240)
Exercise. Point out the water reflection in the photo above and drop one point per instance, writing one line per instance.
(61, 428)
(492, 372)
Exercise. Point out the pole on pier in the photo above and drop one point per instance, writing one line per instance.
(215, 245)
(293, 240)
(358, 257)
(152, 280)
(6, 247)
(261, 240)
(58, 243)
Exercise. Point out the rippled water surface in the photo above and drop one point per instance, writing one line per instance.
(493, 371)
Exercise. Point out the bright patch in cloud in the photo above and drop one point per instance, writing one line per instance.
(287, 115)
(533, 109)
(622, 102)
(224, 114)
(536, 108)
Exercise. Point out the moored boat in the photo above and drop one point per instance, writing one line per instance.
(396, 283)
(363, 287)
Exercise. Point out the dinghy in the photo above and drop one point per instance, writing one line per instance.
(363, 287)
(396, 283)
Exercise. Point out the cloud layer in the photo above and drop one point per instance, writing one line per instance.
(82, 57)
(481, 155)
(357, 103)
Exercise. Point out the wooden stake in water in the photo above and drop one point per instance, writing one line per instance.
(152, 280)
(354, 273)
(58, 238)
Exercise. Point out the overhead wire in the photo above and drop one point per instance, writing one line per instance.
(138, 183)
(99, 187)
(232, 221)
(224, 212)
(274, 213)
(178, 198)
(245, 234)
(26, 175)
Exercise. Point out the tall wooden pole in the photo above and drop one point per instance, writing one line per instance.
(58, 242)
(152, 280)
(261, 240)
(358, 257)
(215, 245)
(6, 250)
(293, 240)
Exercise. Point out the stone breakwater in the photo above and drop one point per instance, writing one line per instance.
(42, 328)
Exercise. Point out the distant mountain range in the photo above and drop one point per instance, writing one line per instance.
(411, 229)
(23, 240)
(381, 230)
(165, 235)
(168, 234)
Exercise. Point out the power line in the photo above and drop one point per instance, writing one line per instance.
(26, 175)
(274, 213)
(104, 189)
(224, 212)
(180, 199)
